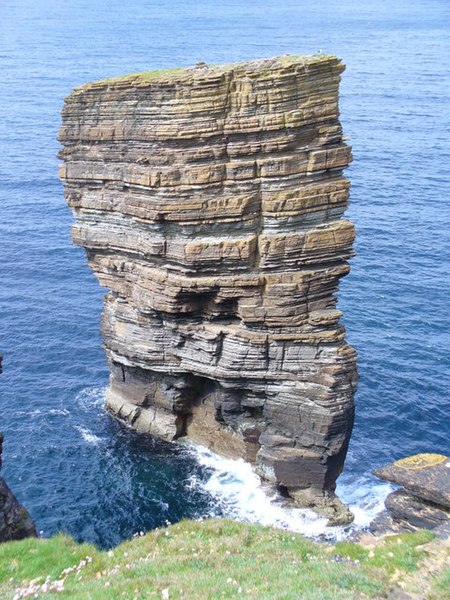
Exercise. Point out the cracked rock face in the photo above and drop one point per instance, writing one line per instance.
(424, 500)
(210, 201)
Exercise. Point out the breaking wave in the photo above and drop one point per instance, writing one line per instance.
(238, 493)
(88, 436)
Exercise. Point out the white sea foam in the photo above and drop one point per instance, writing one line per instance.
(38, 412)
(29, 413)
(365, 497)
(91, 397)
(59, 411)
(34, 413)
(88, 436)
(240, 495)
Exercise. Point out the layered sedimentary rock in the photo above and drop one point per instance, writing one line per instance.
(210, 203)
(423, 501)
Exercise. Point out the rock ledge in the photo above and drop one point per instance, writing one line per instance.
(423, 502)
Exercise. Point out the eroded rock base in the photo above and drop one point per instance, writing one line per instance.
(230, 421)
(210, 202)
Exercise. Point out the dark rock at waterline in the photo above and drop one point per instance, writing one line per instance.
(423, 503)
(15, 522)
(406, 512)
(209, 201)
(417, 512)
(424, 475)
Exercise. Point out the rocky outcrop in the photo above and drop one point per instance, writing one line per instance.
(15, 522)
(210, 203)
(424, 500)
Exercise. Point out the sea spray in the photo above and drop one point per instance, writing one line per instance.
(231, 488)
(238, 493)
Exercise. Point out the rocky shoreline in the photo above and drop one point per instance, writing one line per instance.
(423, 501)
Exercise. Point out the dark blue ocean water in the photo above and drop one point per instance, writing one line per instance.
(74, 467)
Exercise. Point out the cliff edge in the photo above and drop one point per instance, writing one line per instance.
(209, 201)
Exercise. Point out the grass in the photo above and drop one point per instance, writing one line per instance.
(179, 73)
(214, 559)
(441, 585)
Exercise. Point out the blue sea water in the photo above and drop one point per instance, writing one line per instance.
(73, 466)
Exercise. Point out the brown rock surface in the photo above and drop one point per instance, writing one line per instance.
(423, 502)
(406, 512)
(427, 476)
(417, 512)
(209, 201)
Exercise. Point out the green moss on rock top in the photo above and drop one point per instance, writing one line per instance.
(202, 70)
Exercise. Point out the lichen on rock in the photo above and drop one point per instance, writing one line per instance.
(423, 501)
(210, 203)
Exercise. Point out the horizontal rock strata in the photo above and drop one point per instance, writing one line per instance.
(424, 500)
(210, 203)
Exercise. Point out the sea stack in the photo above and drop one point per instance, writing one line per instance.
(209, 201)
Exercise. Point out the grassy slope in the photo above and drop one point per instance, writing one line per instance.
(222, 559)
